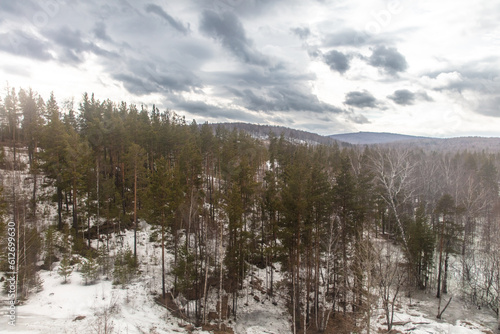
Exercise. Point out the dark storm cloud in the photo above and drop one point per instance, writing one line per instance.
(100, 32)
(141, 77)
(403, 97)
(360, 99)
(259, 77)
(346, 37)
(9, 7)
(359, 119)
(227, 28)
(489, 106)
(19, 8)
(135, 84)
(72, 45)
(354, 38)
(20, 43)
(207, 110)
(337, 61)
(241, 7)
(302, 32)
(283, 98)
(157, 10)
(388, 59)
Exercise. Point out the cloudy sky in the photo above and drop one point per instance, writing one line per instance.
(327, 66)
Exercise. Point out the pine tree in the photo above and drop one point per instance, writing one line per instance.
(345, 207)
(31, 106)
(125, 266)
(163, 200)
(65, 269)
(50, 247)
(89, 269)
(54, 143)
(135, 164)
(77, 156)
(421, 240)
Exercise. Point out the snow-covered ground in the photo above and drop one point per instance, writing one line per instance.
(78, 308)
(419, 317)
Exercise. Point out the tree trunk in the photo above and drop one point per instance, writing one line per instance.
(124, 203)
(163, 258)
(498, 289)
(207, 263)
(75, 216)
(294, 302)
(98, 197)
(135, 213)
(440, 266)
(445, 276)
(220, 274)
(34, 168)
(59, 208)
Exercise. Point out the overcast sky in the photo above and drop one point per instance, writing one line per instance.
(413, 67)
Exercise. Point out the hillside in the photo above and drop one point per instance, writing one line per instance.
(473, 144)
(428, 144)
(367, 138)
(263, 131)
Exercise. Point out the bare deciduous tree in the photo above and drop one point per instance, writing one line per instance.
(394, 173)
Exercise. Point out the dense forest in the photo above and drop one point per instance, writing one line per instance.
(347, 228)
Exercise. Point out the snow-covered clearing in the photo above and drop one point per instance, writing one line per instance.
(80, 309)
(420, 317)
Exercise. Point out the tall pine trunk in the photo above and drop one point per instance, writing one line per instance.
(163, 257)
(75, 215)
(135, 213)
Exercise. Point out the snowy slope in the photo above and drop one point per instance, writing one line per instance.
(77, 308)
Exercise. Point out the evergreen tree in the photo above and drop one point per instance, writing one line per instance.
(54, 144)
(77, 155)
(50, 247)
(125, 266)
(164, 198)
(65, 269)
(421, 240)
(89, 269)
(135, 164)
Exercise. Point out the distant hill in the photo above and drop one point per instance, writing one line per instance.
(368, 138)
(262, 132)
(474, 144)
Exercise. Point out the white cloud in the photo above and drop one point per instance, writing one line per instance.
(442, 80)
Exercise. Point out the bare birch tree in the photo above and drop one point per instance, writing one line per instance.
(393, 170)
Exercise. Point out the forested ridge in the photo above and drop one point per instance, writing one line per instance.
(348, 229)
